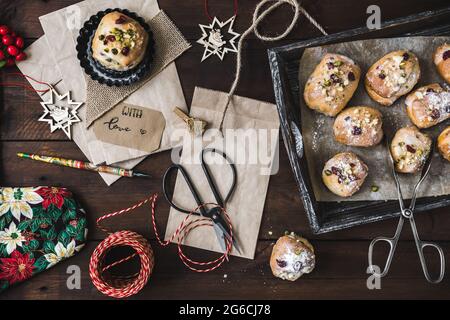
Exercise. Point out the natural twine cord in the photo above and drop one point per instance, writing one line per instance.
(258, 16)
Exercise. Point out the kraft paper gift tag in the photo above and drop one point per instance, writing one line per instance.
(257, 125)
(161, 93)
(131, 126)
(40, 65)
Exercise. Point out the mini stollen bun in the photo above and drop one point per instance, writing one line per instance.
(344, 174)
(428, 105)
(359, 127)
(393, 76)
(292, 256)
(410, 149)
(120, 42)
(441, 59)
(332, 84)
(444, 143)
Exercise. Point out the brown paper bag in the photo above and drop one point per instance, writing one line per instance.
(161, 93)
(246, 206)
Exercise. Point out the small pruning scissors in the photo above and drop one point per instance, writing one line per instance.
(215, 213)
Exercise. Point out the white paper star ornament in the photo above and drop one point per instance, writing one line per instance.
(61, 112)
(218, 38)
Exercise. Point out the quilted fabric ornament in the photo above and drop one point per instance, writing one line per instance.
(39, 227)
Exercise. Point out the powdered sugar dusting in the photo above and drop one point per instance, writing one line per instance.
(319, 123)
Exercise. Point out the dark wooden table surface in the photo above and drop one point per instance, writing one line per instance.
(341, 256)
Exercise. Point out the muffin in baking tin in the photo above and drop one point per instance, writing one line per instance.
(120, 42)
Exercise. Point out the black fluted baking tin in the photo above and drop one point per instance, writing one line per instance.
(98, 72)
(284, 64)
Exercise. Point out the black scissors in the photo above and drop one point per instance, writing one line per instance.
(215, 213)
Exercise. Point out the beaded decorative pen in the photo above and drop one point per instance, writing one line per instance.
(77, 164)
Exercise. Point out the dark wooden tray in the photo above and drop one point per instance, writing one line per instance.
(284, 64)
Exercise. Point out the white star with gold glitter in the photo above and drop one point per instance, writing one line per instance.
(61, 112)
(213, 38)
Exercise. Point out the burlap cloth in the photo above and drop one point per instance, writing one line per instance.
(169, 44)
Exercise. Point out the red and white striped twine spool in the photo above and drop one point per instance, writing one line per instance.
(121, 287)
(114, 286)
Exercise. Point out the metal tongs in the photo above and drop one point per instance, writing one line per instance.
(408, 213)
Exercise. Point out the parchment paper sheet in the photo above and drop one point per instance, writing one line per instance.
(317, 129)
(247, 203)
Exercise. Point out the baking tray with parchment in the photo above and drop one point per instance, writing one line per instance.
(285, 63)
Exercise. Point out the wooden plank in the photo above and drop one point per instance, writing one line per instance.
(20, 113)
(283, 208)
(342, 255)
(340, 272)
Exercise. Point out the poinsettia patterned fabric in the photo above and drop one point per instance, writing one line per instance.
(39, 227)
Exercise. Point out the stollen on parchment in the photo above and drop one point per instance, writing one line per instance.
(317, 129)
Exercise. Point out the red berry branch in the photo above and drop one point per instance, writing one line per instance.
(10, 47)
